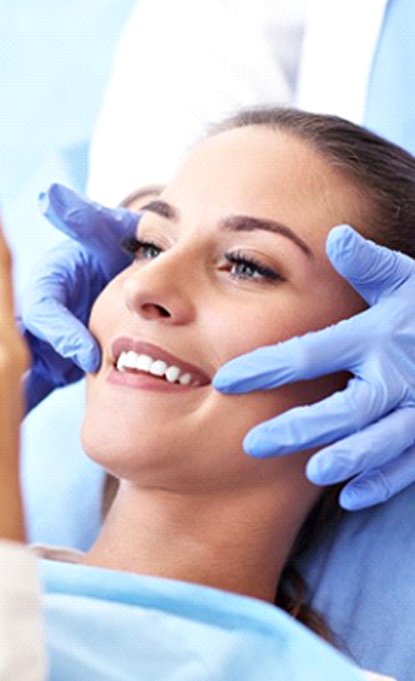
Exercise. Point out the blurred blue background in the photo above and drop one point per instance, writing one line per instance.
(55, 60)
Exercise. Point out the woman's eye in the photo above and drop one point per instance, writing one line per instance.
(247, 268)
(141, 250)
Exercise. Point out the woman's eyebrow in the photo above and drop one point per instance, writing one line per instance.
(162, 208)
(245, 223)
(237, 223)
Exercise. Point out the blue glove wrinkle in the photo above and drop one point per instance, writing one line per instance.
(308, 426)
(364, 492)
(250, 371)
(380, 483)
(373, 270)
(372, 447)
(100, 230)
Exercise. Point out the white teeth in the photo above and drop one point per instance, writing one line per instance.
(172, 374)
(157, 367)
(120, 362)
(143, 362)
(129, 359)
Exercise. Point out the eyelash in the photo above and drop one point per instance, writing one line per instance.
(266, 273)
(136, 248)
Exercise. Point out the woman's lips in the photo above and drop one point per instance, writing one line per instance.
(135, 378)
(144, 381)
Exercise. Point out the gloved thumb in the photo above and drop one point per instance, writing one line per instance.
(374, 271)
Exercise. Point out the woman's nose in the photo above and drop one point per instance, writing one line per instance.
(155, 293)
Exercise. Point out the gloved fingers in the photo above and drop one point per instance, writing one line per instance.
(368, 449)
(374, 271)
(317, 353)
(100, 229)
(379, 484)
(54, 324)
(337, 416)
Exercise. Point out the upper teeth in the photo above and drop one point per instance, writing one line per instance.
(132, 360)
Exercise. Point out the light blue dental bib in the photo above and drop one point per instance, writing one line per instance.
(105, 625)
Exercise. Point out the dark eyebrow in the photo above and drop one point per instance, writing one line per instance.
(162, 208)
(237, 223)
(245, 223)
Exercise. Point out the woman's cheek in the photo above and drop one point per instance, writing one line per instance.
(105, 310)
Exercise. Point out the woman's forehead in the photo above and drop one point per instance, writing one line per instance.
(255, 163)
(259, 171)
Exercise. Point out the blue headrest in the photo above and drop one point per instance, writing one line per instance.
(361, 576)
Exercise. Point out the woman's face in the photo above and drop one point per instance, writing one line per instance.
(236, 261)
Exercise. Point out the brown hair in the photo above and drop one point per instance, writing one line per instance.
(382, 173)
(292, 593)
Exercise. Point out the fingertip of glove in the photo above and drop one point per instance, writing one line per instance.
(253, 445)
(357, 496)
(223, 382)
(341, 240)
(314, 472)
(56, 193)
(220, 384)
(89, 361)
(349, 502)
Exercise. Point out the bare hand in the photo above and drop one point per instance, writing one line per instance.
(14, 361)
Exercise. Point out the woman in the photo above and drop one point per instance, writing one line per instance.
(230, 257)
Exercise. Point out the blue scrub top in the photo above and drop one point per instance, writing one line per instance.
(106, 625)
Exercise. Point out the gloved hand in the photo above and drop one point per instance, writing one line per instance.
(372, 421)
(56, 305)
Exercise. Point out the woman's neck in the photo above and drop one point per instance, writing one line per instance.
(236, 542)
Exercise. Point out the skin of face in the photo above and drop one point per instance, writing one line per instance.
(189, 300)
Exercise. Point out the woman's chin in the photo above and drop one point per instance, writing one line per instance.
(120, 452)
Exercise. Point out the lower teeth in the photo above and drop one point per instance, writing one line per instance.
(146, 373)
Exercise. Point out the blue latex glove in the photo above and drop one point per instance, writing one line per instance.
(372, 421)
(56, 305)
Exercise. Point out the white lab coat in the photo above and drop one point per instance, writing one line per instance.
(337, 54)
(235, 55)
(22, 650)
(171, 82)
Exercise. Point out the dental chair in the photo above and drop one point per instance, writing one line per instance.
(361, 576)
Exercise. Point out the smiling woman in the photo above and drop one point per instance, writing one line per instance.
(230, 257)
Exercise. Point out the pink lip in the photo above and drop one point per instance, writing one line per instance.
(142, 381)
(143, 348)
